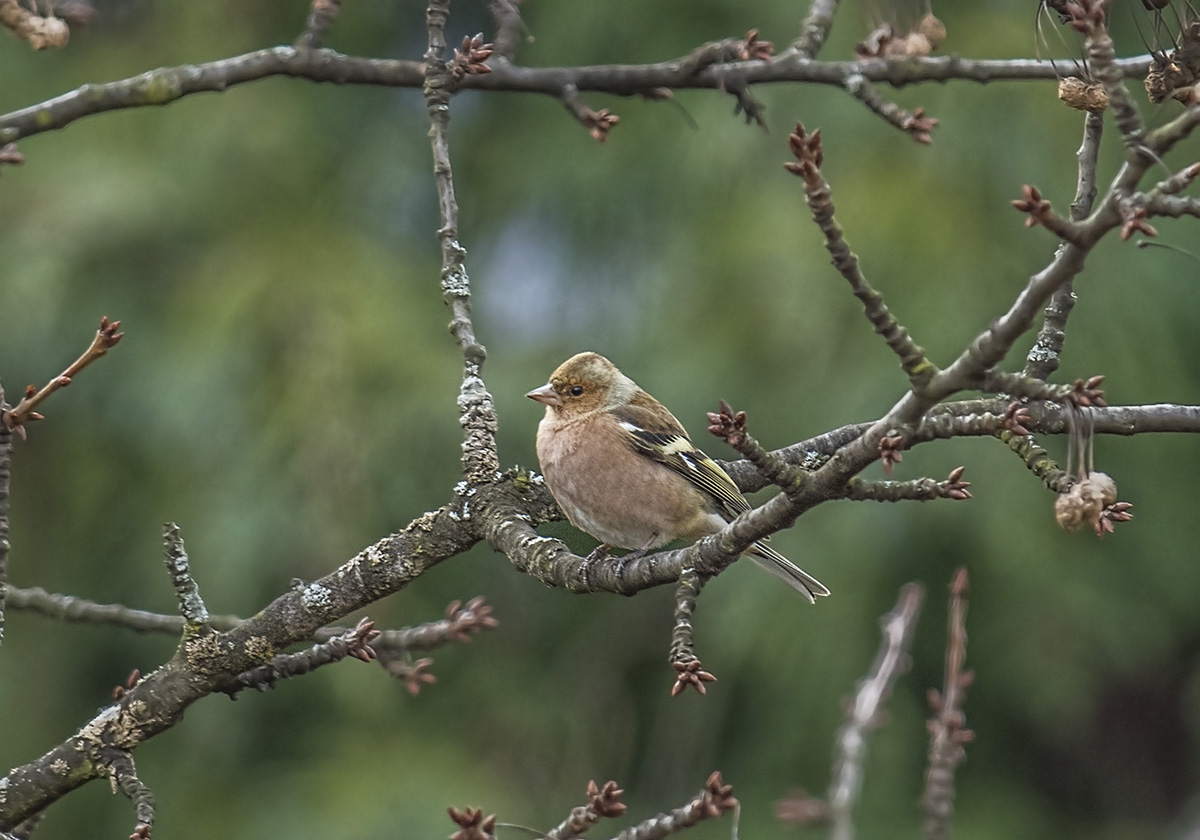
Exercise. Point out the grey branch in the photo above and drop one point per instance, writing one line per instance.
(168, 84)
(866, 708)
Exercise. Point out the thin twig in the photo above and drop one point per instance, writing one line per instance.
(168, 84)
(320, 18)
(867, 707)
(1042, 360)
(815, 29)
(947, 734)
(806, 147)
(509, 27)
(688, 669)
(354, 643)
(603, 802)
(191, 605)
(919, 490)
(914, 123)
(477, 412)
(106, 337)
(123, 774)
(5, 478)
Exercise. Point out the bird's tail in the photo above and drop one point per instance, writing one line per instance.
(786, 570)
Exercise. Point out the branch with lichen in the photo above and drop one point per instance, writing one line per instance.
(477, 412)
(865, 711)
(355, 643)
(169, 84)
(461, 623)
(1081, 392)
(123, 774)
(1089, 18)
(509, 27)
(1043, 357)
(191, 605)
(210, 660)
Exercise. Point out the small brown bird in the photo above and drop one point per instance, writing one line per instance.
(623, 469)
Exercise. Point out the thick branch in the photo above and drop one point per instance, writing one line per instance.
(208, 661)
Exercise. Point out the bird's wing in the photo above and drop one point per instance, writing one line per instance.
(656, 434)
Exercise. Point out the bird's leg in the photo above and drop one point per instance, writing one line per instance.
(637, 554)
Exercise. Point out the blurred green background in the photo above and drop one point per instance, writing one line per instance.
(286, 393)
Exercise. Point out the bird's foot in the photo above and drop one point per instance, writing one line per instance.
(598, 554)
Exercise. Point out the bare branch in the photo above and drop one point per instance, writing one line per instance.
(947, 734)
(920, 490)
(40, 32)
(688, 669)
(867, 707)
(123, 775)
(191, 605)
(714, 801)
(914, 123)
(168, 84)
(603, 803)
(815, 29)
(477, 413)
(807, 150)
(509, 27)
(5, 480)
(320, 18)
(106, 337)
(1042, 359)
(354, 643)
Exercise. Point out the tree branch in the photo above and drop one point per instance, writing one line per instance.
(168, 84)
(866, 709)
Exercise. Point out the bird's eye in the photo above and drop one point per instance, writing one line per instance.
(576, 390)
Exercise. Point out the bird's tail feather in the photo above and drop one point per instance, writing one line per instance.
(786, 570)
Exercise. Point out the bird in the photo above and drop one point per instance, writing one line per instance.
(624, 470)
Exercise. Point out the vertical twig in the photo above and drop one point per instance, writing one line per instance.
(509, 26)
(191, 605)
(815, 28)
(1043, 357)
(477, 413)
(5, 462)
(864, 712)
(947, 735)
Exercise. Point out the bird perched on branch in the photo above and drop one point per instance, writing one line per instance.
(624, 470)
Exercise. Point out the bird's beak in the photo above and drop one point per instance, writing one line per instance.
(545, 395)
